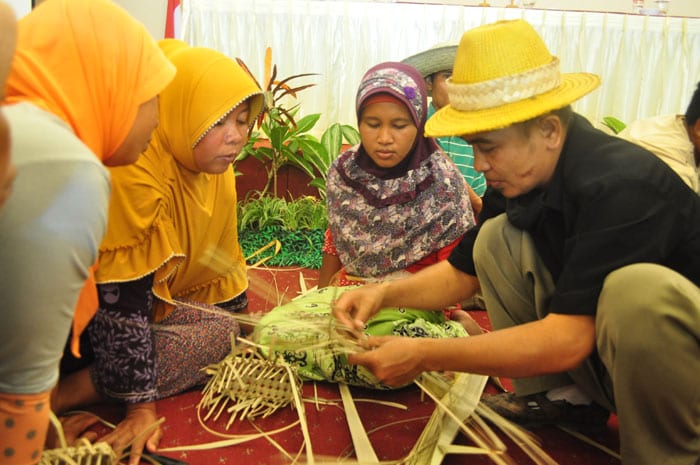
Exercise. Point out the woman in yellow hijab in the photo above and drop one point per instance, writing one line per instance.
(171, 260)
(81, 94)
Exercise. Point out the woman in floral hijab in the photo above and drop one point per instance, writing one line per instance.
(396, 203)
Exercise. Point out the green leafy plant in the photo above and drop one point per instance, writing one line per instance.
(288, 140)
(299, 225)
(258, 212)
(282, 138)
(298, 248)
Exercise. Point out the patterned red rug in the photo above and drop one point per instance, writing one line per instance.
(392, 431)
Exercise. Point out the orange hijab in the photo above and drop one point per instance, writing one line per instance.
(92, 65)
(167, 217)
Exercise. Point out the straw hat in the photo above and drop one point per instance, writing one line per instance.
(440, 57)
(504, 74)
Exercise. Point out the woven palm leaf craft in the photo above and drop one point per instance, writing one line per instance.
(255, 383)
(246, 386)
(83, 453)
(309, 337)
(305, 334)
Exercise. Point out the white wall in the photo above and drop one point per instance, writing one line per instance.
(152, 12)
(676, 7)
(21, 7)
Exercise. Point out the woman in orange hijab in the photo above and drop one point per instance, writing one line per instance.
(81, 93)
(171, 251)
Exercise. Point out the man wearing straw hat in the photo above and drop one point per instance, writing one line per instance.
(587, 254)
(435, 65)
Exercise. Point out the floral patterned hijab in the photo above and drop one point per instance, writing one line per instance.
(384, 220)
(405, 84)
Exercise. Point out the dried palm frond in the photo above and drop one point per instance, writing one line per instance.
(246, 386)
(457, 398)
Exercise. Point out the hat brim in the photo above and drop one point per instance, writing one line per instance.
(449, 121)
(433, 60)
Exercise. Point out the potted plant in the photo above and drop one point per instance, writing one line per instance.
(287, 140)
(281, 139)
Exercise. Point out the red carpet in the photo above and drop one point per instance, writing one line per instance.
(392, 431)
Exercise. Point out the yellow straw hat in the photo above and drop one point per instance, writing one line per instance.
(504, 74)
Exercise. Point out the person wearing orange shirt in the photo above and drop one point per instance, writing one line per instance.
(81, 94)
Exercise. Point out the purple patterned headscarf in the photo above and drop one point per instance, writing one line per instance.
(384, 220)
(406, 84)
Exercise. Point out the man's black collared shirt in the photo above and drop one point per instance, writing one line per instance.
(609, 204)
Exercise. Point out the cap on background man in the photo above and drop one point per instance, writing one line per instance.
(435, 65)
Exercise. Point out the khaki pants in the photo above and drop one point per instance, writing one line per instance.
(647, 367)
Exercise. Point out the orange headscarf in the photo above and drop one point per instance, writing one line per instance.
(92, 65)
(167, 217)
(89, 63)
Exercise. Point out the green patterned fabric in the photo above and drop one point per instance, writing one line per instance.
(299, 331)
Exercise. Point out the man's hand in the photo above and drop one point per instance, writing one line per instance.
(139, 417)
(395, 361)
(353, 308)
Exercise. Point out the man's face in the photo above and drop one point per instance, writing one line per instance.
(514, 160)
(438, 88)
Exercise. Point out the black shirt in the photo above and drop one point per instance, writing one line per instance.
(609, 204)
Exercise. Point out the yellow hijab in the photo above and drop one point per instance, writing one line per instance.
(91, 64)
(165, 215)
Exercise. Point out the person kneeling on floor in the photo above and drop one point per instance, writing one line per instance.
(587, 253)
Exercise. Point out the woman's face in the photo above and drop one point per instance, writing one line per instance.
(219, 148)
(387, 132)
(139, 136)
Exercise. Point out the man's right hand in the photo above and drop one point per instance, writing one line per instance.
(353, 308)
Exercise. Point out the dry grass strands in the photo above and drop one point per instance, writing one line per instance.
(246, 386)
(457, 398)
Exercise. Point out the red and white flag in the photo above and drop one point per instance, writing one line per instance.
(173, 19)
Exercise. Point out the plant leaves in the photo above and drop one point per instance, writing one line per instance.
(308, 122)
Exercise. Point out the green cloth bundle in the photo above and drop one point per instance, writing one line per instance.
(304, 333)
